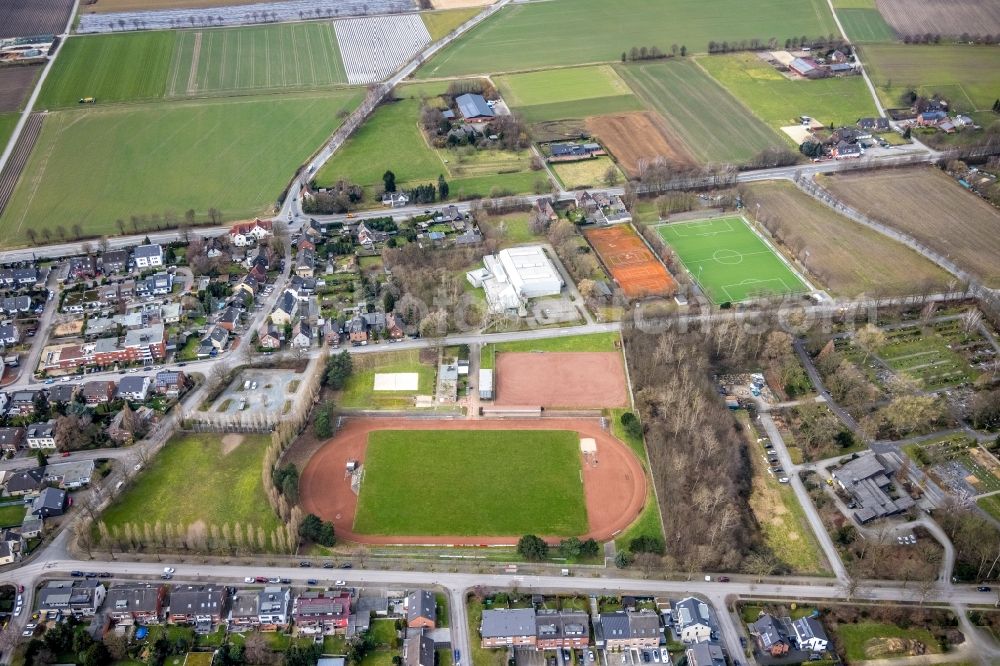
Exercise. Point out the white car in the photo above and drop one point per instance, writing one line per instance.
(253, 386)
(783, 479)
(31, 625)
(249, 579)
(340, 583)
(664, 655)
(168, 570)
(27, 632)
(138, 466)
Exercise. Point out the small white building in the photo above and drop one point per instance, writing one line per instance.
(485, 384)
(41, 435)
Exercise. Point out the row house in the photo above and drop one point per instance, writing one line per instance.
(22, 403)
(322, 612)
(200, 605)
(10, 334)
(22, 277)
(623, 630)
(114, 261)
(98, 392)
(15, 304)
(80, 598)
(136, 603)
(561, 629)
(159, 284)
(264, 610)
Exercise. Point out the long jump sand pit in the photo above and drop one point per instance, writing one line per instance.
(396, 381)
(614, 483)
(631, 263)
(575, 380)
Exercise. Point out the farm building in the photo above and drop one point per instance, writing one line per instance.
(805, 67)
(514, 275)
(474, 108)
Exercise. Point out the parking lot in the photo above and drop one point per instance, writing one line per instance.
(264, 391)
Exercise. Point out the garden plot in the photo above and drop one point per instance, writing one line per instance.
(374, 47)
(938, 357)
(958, 463)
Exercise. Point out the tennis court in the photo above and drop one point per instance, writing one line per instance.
(729, 261)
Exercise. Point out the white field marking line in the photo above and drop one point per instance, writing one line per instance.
(752, 281)
(781, 257)
(676, 228)
(192, 83)
(712, 258)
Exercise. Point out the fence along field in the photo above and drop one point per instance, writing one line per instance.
(703, 119)
(26, 18)
(374, 47)
(633, 265)
(729, 261)
(231, 154)
(288, 55)
(571, 32)
(953, 18)
(931, 207)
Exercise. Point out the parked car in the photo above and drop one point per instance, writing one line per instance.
(249, 579)
(783, 479)
(984, 588)
(260, 579)
(168, 570)
(312, 581)
(305, 563)
(723, 579)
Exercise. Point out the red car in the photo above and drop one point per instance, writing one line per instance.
(64, 455)
(261, 579)
(723, 579)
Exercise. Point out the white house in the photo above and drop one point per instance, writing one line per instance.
(42, 435)
(248, 233)
(694, 621)
(148, 256)
(810, 635)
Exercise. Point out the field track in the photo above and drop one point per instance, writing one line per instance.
(15, 165)
(632, 137)
(26, 18)
(951, 18)
(614, 490)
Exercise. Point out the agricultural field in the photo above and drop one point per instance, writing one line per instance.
(444, 22)
(967, 76)
(373, 47)
(576, 92)
(448, 483)
(633, 137)
(24, 18)
(847, 258)
(702, 119)
(391, 140)
(233, 155)
(573, 32)
(109, 6)
(237, 60)
(779, 101)
(585, 173)
(951, 19)
(199, 478)
(359, 392)
(933, 208)
(110, 68)
(865, 25)
(15, 84)
(8, 121)
(729, 261)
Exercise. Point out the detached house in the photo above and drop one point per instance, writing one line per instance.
(301, 335)
(11, 439)
(694, 621)
(418, 650)
(41, 435)
(810, 635)
(269, 336)
(170, 382)
(136, 603)
(770, 636)
(148, 256)
(51, 502)
(135, 388)
(25, 483)
(98, 392)
(421, 609)
(248, 233)
(10, 334)
(285, 308)
(114, 261)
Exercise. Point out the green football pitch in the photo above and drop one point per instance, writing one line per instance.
(472, 482)
(729, 261)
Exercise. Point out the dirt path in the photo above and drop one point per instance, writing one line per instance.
(192, 84)
(614, 488)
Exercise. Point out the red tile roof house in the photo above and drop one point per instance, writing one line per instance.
(421, 610)
(245, 233)
(97, 392)
(314, 612)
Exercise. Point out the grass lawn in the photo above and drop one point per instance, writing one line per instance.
(96, 166)
(513, 228)
(192, 480)
(585, 173)
(847, 258)
(391, 140)
(593, 342)
(428, 482)
(854, 636)
(482, 656)
(779, 101)
(359, 391)
(990, 505)
(649, 522)
(968, 76)
(111, 68)
(7, 123)
(729, 261)
(574, 32)
(198, 659)
(260, 57)
(575, 92)
(865, 25)
(444, 22)
(701, 114)
(12, 515)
